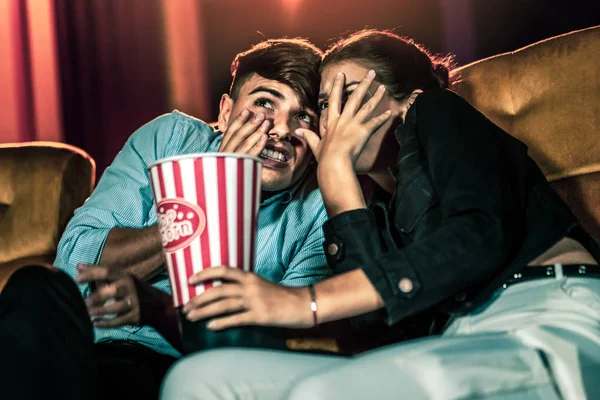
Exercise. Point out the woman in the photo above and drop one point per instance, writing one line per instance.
(448, 243)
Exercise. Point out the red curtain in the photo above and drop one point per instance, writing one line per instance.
(90, 72)
(29, 75)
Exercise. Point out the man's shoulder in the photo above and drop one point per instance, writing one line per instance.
(176, 119)
(175, 133)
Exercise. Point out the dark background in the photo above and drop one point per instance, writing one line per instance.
(113, 62)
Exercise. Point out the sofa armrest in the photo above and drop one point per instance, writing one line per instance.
(8, 268)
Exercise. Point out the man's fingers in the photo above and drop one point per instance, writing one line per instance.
(312, 139)
(376, 122)
(239, 136)
(218, 292)
(91, 274)
(235, 125)
(98, 273)
(131, 318)
(366, 110)
(219, 307)
(112, 290)
(357, 96)
(231, 321)
(121, 306)
(251, 142)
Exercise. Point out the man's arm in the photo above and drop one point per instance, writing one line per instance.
(137, 250)
(121, 207)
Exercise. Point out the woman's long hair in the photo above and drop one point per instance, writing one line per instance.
(401, 64)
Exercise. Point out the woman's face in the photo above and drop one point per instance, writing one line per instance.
(381, 147)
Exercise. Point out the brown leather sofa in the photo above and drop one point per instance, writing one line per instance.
(41, 184)
(548, 96)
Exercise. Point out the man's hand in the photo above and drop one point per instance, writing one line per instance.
(246, 299)
(246, 135)
(116, 294)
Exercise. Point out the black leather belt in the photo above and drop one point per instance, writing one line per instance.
(556, 271)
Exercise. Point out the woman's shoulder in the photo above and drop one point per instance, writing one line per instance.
(435, 98)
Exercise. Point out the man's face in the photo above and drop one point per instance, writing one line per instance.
(286, 156)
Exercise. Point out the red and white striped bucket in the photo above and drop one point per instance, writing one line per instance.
(207, 206)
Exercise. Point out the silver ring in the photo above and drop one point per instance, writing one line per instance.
(128, 301)
(242, 303)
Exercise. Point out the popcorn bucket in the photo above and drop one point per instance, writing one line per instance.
(207, 207)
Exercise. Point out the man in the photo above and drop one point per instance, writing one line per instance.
(273, 92)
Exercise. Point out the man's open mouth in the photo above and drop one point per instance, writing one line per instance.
(275, 153)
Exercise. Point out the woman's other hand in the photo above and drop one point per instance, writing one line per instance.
(244, 298)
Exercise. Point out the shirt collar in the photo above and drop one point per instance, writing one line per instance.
(409, 125)
(406, 135)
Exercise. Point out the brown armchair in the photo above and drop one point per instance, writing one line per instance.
(41, 184)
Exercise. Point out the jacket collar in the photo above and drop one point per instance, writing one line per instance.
(406, 135)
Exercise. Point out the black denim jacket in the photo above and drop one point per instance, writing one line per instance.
(469, 210)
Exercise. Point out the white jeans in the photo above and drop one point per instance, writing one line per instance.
(538, 339)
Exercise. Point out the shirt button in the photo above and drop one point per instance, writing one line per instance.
(405, 285)
(332, 249)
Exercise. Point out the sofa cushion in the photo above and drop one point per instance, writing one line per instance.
(548, 96)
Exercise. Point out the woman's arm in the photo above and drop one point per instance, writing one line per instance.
(251, 300)
(339, 186)
(345, 296)
(480, 215)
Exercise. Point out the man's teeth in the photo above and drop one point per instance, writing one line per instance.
(273, 155)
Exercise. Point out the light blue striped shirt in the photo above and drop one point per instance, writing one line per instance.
(289, 239)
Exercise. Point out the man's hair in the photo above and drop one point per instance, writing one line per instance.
(293, 62)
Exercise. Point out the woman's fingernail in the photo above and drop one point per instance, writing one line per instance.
(259, 116)
(339, 75)
(371, 74)
(381, 88)
(245, 112)
(299, 132)
(388, 112)
(211, 325)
